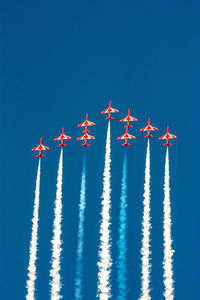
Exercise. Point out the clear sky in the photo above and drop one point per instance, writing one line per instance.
(61, 61)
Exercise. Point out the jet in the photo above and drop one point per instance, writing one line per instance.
(126, 136)
(108, 111)
(62, 137)
(149, 128)
(40, 148)
(86, 137)
(167, 136)
(86, 123)
(127, 119)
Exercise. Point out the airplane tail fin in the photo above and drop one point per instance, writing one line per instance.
(109, 118)
(62, 145)
(126, 144)
(149, 135)
(169, 144)
(40, 155)
(86, 131)
(86, 144)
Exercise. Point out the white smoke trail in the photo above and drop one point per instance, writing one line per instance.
(79, 259)
(168, 252)
(122, 248)
(105, 262)
(30, 284)
(56, 240)
(146, 226)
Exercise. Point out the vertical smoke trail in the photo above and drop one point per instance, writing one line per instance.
(30, 285)
(122, 248)
(105, 262)
(79, 252)
(56, 240)
(168, 252)
(146, 226)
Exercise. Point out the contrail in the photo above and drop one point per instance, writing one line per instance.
(168, 252)
(79, 252)
(105, 262)
(56, 240)
(146, 226)
(122, 247)
(30, 284)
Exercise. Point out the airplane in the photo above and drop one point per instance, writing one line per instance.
(126, 136)
(127, 119)
(86, 137)
(62, 137)
(168, 136)
(86, 123)
(40, 148)
(108, 111)
(149, 128)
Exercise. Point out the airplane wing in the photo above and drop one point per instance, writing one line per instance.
(126, 136)
(163, 137)
(149, 127)
(36, 148)
(66, 137)
(113, 110)
(40, 147)
(81, 137)
(44, 148)
(124, 119)
(90, 123)
(109, 109)
(57, 138)
(122, 137)
(82, 124)
(86, 136)
(129, 136)
(130, 119)
(90, 137)
(133, 119)
(144, 129)
(105, 111)
(154, 128)
(171, 136)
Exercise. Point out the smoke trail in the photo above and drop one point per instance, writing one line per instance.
(122, 248)
(56, 240)
(79, 252)
(168, 252)
(146, 226)
(105, 262)
(30, 284)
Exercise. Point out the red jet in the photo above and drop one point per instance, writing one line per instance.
(86, 137)
(128, 119)
(108, 111)
(86, 123)
(167, 136)
(149, 128)
(126, 136)
(62, 137)
(40, 148)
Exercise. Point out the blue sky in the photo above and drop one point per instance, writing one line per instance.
(61, 61)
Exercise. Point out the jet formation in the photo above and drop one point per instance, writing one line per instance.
(127, 136)
(85, 137)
